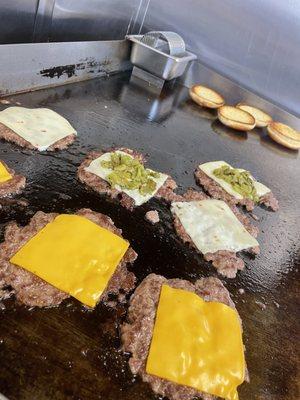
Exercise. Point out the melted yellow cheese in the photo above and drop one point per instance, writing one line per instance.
(197, 344)
(4, 174)
(75, 255)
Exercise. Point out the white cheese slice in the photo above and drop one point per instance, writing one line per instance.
(41, 127)
(212, 226)
(96, 168)
(209, 167)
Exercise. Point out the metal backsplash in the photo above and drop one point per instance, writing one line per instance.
(25, 21)
(92, 19)
(17, 19)
(54, 64)
(253, 42)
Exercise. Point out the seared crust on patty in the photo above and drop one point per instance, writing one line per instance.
(14, 185)
(166, 191)
(137, 332)
(35, 292)
(226, 262)
(217, 192)
(10, 136)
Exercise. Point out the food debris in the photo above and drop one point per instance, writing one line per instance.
(276, 304)
(152, 216)
(261, 305)
(241, 291)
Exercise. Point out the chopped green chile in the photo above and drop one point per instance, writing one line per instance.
(129, 173)
(240, 181)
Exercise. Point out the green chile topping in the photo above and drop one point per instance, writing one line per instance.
(239, 180)
(129, 173)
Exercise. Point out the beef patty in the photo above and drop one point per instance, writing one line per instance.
(32, 291)
(217, 192)
(10, 136)
(137, 332)
(226, 262)
(166, 191)
(14, 185)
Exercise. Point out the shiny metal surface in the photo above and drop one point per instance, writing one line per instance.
(253, 42)
(158, 106)
(167, 42)
(54, 64)
(92, 19)
(17, 20)
(25, 21)
(68, 353)
(156, 62)
(142, 78)
(43, 21)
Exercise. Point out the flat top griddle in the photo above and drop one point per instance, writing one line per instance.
(69, 353)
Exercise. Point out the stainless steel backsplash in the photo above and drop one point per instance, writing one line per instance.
(253, 42)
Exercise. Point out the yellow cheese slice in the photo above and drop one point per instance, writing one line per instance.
(197, 344)
(75, 255)
(4, 174)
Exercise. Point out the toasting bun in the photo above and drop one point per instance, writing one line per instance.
(206, 97)
(262, 119)
(285, 135)
(236, 118)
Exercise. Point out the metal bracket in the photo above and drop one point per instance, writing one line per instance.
(146, 80)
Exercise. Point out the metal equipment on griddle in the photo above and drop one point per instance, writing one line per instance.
(158, 57)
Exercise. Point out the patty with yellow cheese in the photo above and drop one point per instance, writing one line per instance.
(137, 331)
(10, 182)
(33, 291)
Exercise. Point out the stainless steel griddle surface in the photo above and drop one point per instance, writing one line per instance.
(69, 353)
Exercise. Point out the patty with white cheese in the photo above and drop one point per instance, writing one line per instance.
(38, 129)
(217, 192)
(98, 184)
(226, 262)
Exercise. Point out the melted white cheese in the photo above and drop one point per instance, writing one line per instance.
(96, 168)
(212, 226)
(41, 127)
(209, 167)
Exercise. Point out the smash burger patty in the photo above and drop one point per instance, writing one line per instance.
(137, 332)
(166, 191)
(226, 262)
(10, 136)
(12, 186)
(217, 192)
(33, 291)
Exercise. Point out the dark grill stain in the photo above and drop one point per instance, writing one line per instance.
(57, 72)
(88, 64)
